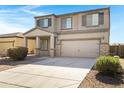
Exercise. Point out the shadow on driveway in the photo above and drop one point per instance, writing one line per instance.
(28, 60)
(67, 62)
(57, 61)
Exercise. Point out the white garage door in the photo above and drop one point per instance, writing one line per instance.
(80, 48)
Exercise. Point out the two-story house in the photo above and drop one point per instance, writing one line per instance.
(78, 34)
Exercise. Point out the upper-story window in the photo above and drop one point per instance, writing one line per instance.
(66, 23)
(44, 23)
(93, 19)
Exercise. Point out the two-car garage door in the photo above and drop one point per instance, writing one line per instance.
(80, 48)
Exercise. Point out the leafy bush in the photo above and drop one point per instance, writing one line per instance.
(18, 53)
(108, 65)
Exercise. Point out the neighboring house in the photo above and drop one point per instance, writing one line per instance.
(79, 34)
(9, 41)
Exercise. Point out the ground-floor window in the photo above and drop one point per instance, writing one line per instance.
(44, 44)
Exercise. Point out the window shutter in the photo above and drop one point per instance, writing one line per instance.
(84, 20)
(49, 22)
(38, 23)
(101, 18)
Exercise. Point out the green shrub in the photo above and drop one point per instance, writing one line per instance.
(108, 65)
(18, 53)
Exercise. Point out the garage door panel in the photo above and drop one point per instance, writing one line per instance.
(80, 42)
(66, 51)
(87, 48)
(88, 52)
(4, 46)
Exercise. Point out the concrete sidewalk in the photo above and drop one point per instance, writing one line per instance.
(48, 73)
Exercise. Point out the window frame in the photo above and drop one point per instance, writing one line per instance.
(86, 20)
(92, 19)
(41, 21)
(65, 18)
(97, 19)
(43, 47)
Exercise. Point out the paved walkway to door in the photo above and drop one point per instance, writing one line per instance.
(48, 72)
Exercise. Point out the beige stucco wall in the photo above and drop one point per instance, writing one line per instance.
(6, 43)
(51, 28)
(31, 45)
(97, 35)
(18, 42)
(103, 36)
(77, 21)
(100, 36)
(106, 21)
(37, 32)
(7, 39)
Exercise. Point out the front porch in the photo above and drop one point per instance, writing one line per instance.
(40, 43)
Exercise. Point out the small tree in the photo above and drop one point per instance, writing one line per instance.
(108, 65)
(18, 53)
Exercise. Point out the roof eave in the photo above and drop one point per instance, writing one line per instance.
(44, 16)
(83, 11)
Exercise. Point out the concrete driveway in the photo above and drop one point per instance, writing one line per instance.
(48, 72)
